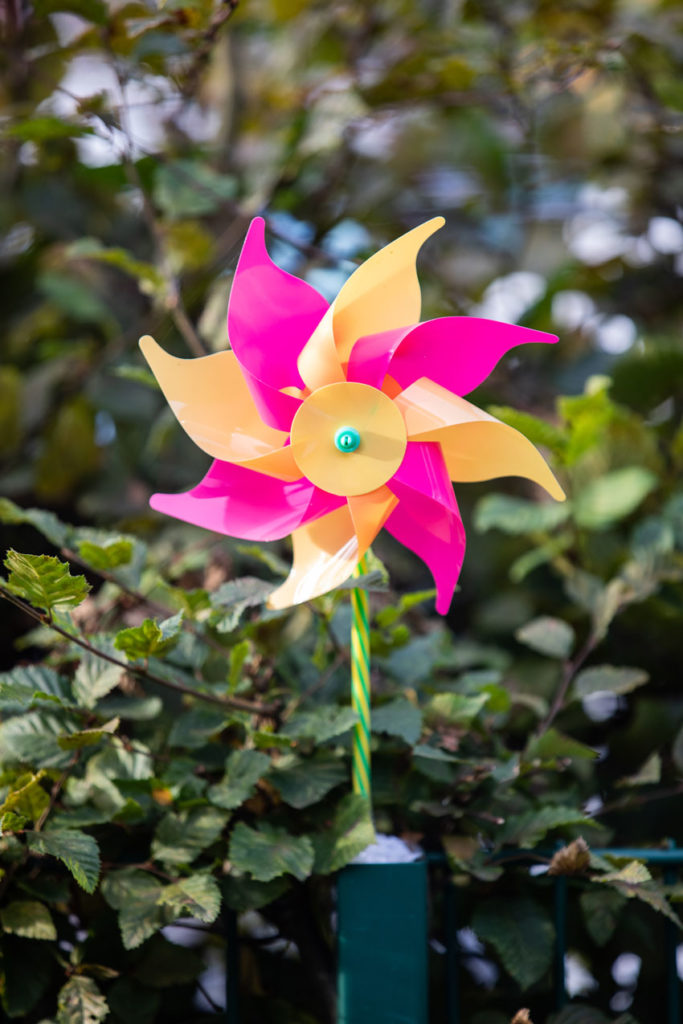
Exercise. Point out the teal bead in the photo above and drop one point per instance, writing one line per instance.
(347, 439)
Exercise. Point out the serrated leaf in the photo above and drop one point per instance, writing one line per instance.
(30, 919)
(304, 781)
(189, 188)
(95, 677)
(517, 516)
(32, 737)
(553, 744)
(612, 497)
(521, 933)
(548, 636)
(350, 832)
(527, 829)
(266, 852)
(198, 896)
(29, 685)
(647, 775)
(245, 894)
(28, 799)
(77, 851)
(110, 555)
(44, 581)
(536, 430)
(194, 728)
(233, 598)
(150, 638)
(635, 882)
(135, 894)
(615, 679)
(601, 910)
(87, 737)
(243, 769)
(81, 1002)
(180, 838)
(573, 859)
(46, 523)
(456, 708)
(320, 724)
(398, 718)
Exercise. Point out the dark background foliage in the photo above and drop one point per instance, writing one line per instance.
(204, 766)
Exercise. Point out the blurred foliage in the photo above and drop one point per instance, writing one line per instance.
(169, 750)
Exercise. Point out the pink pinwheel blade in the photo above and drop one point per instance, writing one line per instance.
(370, 356)
(427, 519)
(271, 314)
(458, 352)
(243, 503)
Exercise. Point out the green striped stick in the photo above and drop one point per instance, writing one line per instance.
(360, 685)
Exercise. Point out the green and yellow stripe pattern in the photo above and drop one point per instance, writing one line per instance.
(360, 685)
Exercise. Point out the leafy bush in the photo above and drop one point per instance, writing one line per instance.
(171, 754)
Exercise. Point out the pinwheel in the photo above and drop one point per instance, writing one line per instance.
(330, 423)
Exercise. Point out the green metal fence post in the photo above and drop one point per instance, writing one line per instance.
(382, 943)
(560, 908)
(672, 982)
(232, 969)
(452, 956)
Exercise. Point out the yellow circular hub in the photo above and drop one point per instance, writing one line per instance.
(332, 415)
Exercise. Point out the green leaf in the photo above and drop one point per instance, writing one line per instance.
(527, 829)
(398, 718)
(180, 838)
(612, 497)
(88, 737)
(612, 678)
(81, 1002)
(304, 781)
(44, 581)
(30, 919)
(245, 894)
(233, 598)
(135, 894)
(198, 896)
(548, 636)
(601, 911)
(456, 708)
(320, 724)
(32, 737)
(91, 10)
(28, 799)
(522, 935)
(634, 881)
(150, 638)
(517, 516)
(29, 685)
(350, 832)
(95, 676)
(553, 744)
(194, 728)
(536, 430)
(647, 775)
(265, 852)
(150, 281)
(78, 851)
(46, 523)
(238, 655)
(189, 188)
(243, 769)
(111, 555)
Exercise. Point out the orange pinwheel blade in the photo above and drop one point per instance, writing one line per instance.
(369, 513)
(327, 550)
(476, 446)
(383, 293)
(212, 403)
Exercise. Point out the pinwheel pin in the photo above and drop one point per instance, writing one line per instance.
(330, 423)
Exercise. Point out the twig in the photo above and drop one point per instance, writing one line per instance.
(569, 669)
(234, 703)
(636, 799)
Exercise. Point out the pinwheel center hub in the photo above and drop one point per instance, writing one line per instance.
(348, 438)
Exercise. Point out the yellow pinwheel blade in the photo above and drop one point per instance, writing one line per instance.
(476, 446)
(326, 551)
(382, 294)
(369, 513)
(212, 403)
